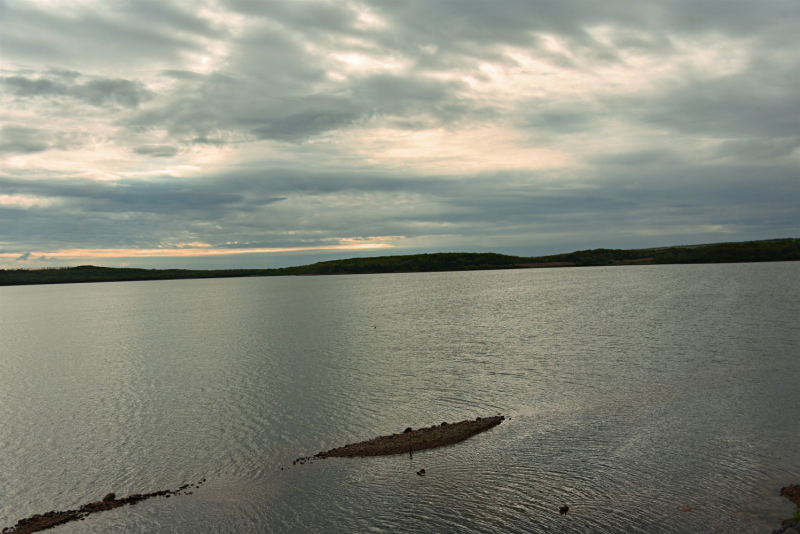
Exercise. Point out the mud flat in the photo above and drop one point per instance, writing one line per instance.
(415, 440)
(38, 522)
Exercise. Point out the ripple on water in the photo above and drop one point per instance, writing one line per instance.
(629, 391)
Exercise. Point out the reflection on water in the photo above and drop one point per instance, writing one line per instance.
(630, 390)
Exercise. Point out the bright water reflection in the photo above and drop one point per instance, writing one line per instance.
(630, 391)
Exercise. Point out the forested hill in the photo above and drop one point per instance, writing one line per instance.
(748, 251)
(751, 251)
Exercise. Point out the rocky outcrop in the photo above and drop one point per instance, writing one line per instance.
(791, 525)
(415, 440)
(38, 522)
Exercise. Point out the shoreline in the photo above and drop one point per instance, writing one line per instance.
(774, 250)
(202, 275)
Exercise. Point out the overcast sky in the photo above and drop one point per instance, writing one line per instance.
(244, 133)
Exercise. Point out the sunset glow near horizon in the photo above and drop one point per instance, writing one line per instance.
(235, 133)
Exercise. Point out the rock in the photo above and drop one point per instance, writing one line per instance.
(411, 440)
(109, 497)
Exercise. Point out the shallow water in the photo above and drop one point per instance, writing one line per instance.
(630, 390)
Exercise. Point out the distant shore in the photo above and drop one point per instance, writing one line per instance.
(787, 249)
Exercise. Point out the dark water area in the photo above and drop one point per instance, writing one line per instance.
(630, 391)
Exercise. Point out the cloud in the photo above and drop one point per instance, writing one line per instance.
(300, 119)
(24, 257)
(22, 140)
(156, 151)
(282, 125)
(282, 209)
(22, 86)
(759, 149)
(558, 121)
(642, 158)
(736, 104)
(129, 33)
(97, 92)
(123, 92)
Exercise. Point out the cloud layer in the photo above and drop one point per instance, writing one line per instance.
(344, 126)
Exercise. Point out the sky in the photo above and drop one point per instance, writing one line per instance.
(244, 133)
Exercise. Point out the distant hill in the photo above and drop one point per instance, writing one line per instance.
(747, 251)
(750, 251)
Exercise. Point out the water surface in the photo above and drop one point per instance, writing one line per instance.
(630, 390)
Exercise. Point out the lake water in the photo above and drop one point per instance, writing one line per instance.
(631, 391)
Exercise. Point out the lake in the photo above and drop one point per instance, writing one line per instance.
(629, 391)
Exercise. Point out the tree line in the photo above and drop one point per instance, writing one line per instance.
(751, 251)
